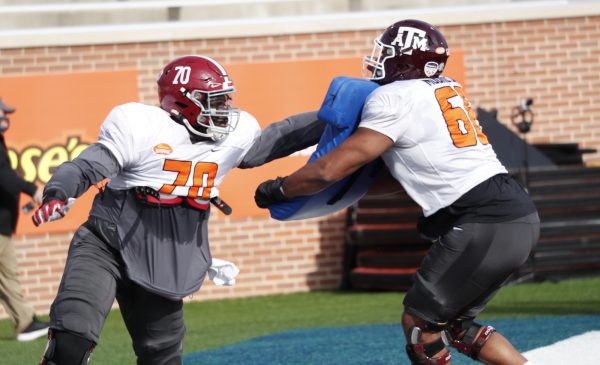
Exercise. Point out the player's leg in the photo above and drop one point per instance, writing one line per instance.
(510, 245)
(154, 323)
(85, 296)
(465, 264)
(483, 343)
(426, 342)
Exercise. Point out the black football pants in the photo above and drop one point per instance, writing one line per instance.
(464, 268)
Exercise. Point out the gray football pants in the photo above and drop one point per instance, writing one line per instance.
(464, 269)
(94, 276)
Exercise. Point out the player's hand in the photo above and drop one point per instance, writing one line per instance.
(51, 211)
(269, 192)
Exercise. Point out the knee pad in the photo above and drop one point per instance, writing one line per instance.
(422, 353)
(64, 348)
(466, 337)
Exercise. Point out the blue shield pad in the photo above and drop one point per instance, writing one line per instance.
(341, 110)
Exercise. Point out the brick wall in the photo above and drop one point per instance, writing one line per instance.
(555, 62)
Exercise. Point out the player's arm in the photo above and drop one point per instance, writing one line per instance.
(72, 179)
(104, 159)
(361, 147)
(283, 138)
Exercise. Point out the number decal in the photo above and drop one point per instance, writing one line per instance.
(203, 177)
(472, 116)
(461, 120)
(183, 75)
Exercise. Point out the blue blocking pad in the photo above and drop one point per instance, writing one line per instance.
(341, 110)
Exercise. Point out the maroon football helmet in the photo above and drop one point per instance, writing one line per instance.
(196, 91)
(408, 49)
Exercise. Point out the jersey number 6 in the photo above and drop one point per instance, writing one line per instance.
(203, 177)
(461, 120)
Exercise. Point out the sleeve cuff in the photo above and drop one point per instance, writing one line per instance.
(54, 194)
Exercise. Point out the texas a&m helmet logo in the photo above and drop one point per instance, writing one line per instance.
(410, 38)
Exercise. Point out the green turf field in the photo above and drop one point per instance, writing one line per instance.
(217, 323)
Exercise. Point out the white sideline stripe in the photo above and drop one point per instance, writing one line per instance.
(577, 350)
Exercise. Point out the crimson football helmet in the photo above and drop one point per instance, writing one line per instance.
(196, 91)
(408, 49)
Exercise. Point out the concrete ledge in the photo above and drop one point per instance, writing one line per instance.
(152, 32)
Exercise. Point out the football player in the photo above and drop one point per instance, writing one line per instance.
(482, 223)
(145, 242)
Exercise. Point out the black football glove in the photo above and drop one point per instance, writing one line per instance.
(269, 192)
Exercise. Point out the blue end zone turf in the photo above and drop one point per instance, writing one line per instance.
(341, 110)
(378, 344)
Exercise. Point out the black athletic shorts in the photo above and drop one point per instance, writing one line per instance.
(465, 267)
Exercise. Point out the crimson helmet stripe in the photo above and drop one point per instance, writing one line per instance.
(227, 83)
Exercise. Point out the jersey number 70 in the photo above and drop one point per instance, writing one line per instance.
(203, 177)
(461, 120)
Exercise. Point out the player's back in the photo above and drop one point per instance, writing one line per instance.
(439, 151)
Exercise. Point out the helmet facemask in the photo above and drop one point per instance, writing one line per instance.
(217, 117)
(375, 64)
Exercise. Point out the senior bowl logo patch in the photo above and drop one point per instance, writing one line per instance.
(431, 68)
(162, 149)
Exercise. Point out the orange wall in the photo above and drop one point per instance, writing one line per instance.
(56, 117)
(276, 76)
(61, 115)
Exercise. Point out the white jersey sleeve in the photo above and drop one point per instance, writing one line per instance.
(382, 114)
(115, 134)
(440, 151)
(246, 133)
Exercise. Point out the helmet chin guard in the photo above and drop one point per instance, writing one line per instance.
(216, 118)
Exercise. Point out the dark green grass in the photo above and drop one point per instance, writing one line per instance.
(218, 323)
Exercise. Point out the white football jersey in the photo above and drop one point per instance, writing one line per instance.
(440, 151)
(155, 151)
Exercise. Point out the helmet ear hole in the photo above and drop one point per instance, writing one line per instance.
(181, 105)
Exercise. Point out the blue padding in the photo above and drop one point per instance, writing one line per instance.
(341, 110)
